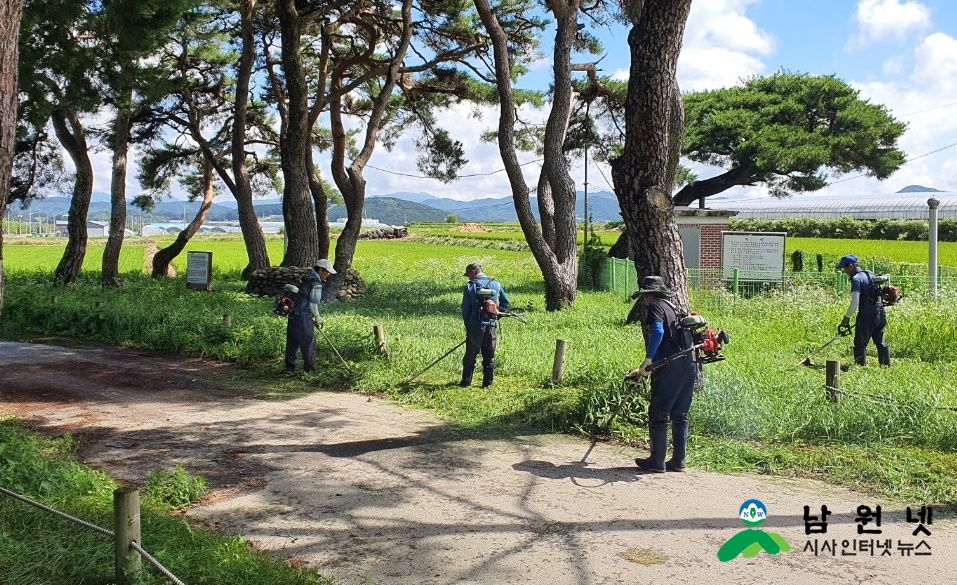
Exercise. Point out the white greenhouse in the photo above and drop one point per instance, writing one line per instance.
(884, 206)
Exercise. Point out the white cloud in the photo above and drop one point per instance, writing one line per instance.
(893, 66)
(710, 68)
(721, 46)
(723, 23)
(878, 20)
(935, 65)
(927, 101)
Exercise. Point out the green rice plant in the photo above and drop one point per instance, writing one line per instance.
(870, 251)
(45, 257)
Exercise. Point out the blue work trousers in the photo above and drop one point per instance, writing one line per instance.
(301, 338)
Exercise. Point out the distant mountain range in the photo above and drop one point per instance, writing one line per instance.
(919, 189)
(394, 209)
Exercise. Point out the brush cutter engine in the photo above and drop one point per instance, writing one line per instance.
(706, 341)
(884, 291)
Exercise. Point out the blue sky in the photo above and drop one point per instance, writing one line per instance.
(900, 53)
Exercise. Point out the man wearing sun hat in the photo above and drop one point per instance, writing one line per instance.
(300, 332)
(672, 384)
(871, 319)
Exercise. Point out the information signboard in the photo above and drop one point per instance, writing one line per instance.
(757, 255)
(199, 270)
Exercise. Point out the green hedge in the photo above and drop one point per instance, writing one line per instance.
(850, 229)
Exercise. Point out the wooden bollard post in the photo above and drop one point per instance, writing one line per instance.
(558, 368)
(126, 524)
(832, 379)
(380, 339)
(227, 320)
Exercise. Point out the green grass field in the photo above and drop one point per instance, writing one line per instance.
(880, 251)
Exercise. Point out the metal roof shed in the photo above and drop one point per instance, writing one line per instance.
(890, 206)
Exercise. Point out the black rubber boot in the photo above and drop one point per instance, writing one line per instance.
(679, 445)
(658, 437)
(467, 377)
(488, 376)
(884, 356)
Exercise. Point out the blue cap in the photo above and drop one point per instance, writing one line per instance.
(847, 261)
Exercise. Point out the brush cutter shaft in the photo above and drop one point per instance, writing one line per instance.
(840, 334)
(437, 360)
(624, 398)
(672, 358)
(326, 337)
(512, 315)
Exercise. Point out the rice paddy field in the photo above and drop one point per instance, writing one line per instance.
(891, 431)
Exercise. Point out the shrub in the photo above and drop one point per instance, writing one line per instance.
(173, 490)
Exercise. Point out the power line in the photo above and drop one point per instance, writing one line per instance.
(457, 176)
(597, 166)
(906, 161)
(613, 189)
(928, 109)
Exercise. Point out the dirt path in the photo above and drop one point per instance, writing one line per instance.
(357, 486)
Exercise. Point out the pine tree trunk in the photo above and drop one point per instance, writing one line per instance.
(295, 145)
(243, 193)
(561, 286)
(74, 142)
(354, 197)
(114, 242)
(555, 246)
(654, 123)
(10, 13)
(321, 204)
(163, 257)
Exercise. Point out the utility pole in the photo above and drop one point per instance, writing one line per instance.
(587, 143)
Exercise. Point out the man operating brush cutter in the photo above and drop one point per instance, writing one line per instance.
(676, 347)
(706, 348)
(516, 314)
(868, 298)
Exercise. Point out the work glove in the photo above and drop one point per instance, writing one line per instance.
(643, 371)
(844, 328)
(291, 288)
(318, 321)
